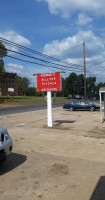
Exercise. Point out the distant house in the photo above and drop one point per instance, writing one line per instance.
(10, 86)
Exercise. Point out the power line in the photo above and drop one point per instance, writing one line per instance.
(48, 62)
(95, 60)
(68, 50)
(48, 66)
(36, 52)
(52, 64)
(93, 75)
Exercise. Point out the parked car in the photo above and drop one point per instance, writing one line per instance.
(81, 105)
(6, 144)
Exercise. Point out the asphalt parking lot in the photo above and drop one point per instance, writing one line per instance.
(66, 162)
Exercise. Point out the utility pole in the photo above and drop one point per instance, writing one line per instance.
(84, 71)
(74, 90)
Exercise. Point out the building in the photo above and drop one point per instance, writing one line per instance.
(10, 87)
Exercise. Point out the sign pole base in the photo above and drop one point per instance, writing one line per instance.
(49, 109)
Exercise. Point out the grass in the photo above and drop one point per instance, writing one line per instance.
(27, 100)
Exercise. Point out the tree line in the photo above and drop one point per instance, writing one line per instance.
(72, 86)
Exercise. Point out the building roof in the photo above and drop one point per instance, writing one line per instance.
(102, 90)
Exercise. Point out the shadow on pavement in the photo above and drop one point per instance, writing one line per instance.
(63, 122)
(13, 161)
(99, 192)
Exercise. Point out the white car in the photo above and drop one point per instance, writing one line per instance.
(6, 144)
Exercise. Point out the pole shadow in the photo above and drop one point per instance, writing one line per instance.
(13, 161)
(64, 122)
(99, 192)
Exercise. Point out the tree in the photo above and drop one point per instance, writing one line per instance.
(97, 87)
(81, 85)
(3, 50)
(90, 85)
(70, 83)
(74, 85)
(3, 53)
(23, 85)
(2, 72)
(64, 88)
(31, 91)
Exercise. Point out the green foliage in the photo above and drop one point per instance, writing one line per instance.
(97, 87)
(23, 85)
(31, 91)
(70, 82)
(74, 85)
(64, 88)
(3, 50)
(90, 85)
(80, 84)
(2, 72)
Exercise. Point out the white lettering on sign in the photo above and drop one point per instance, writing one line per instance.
(50, 89)
(49, 82)
(48, 79)
(44, 75)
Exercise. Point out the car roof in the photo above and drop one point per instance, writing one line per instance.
(81, 101)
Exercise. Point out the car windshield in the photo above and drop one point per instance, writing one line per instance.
(82, 103)
(76, 102)
(88, 102)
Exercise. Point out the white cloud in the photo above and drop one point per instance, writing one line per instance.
(15, 37)
(66, 8)
(15, 68)
(94, 48)
(83, 19)
(93, 43)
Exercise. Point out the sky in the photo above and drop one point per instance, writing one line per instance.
(56, 28)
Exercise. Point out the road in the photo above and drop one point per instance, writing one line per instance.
(20, 109)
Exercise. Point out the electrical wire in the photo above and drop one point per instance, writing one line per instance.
(68, 50)
(25, 55)
(31, 62)
(36, 52)
(71, 68)
(95, 61)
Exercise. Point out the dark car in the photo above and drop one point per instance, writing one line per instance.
(81, 105)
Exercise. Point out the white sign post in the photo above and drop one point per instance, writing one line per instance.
(49, 109)
(49, 82)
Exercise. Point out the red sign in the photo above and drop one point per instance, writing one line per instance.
(49, 82)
